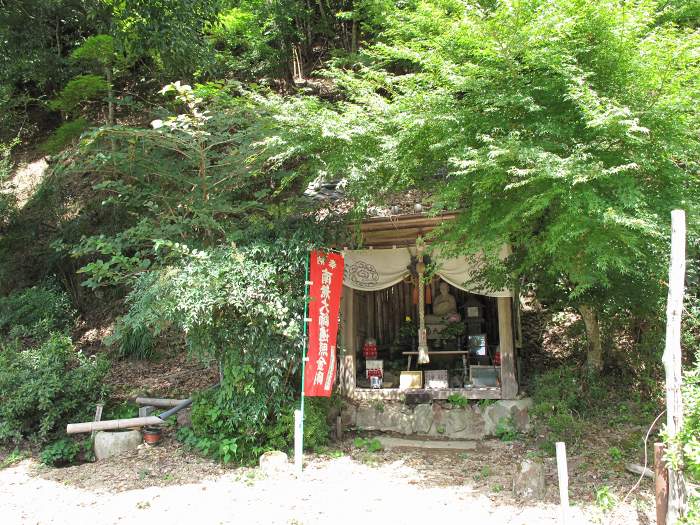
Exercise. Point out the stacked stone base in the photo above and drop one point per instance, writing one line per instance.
(439, 418)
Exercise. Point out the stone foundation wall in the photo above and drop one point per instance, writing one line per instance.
(438, 418)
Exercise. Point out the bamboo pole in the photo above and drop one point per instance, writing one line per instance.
(677, 492)
(158, 402)
(114, 424)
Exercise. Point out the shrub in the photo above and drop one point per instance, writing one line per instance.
(370, 445)
(35, 312)
(44, 388)
(132, 340)
(505, 430)
(316, 428)
(79, 91)
(457, 400)
(61, 452)
(561, 397)
(65, 135)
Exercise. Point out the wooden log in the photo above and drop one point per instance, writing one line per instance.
(158, 402)
(563, 475)
(677, 491)
(660, 483)
(639, 470)
(509, 383)
(114, 424)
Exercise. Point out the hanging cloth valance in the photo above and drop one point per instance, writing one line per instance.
(373, 270)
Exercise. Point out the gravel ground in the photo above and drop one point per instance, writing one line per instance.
(169, 485)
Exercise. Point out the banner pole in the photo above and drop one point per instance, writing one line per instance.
(299, 414)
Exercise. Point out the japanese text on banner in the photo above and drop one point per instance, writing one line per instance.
(326, 275)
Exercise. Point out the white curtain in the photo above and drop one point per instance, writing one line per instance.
(378, 269)
(375, 269)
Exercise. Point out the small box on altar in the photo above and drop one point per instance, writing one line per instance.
(485, 375)
(436, 379)
(374, 368)
(411, 379)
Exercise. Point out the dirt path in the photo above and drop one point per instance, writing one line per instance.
(387, 488)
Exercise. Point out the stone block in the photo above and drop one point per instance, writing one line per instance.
(529, 481)
(349, 415)
(387, 418)
(422, 418)
(146, 411)
(516, 409)
(464, 423)
(184, 417)
(113, 443)
(274, 462)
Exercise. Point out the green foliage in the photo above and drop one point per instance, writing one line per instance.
(684, 450)
(132, 340)
(79, 92)
(615, 454)
(7, 200)
(316, 428)
(457, 400)
(66, 134)
(45, 387)
(36, 312)
(123, 410)
(370, 445)
(60, 453)
(98, 49)
(562, 398)
(505, 430)
(14, 457)
(604, 499)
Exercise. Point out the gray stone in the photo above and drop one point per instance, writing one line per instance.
(387, 418)
(113, 443)
(516, 409)
(184, 417)
(392, 442)
(349, 415)
(422, 418)
(529, 481)
(366, 418)
(464, 423)
(146, 410)
(274, 462)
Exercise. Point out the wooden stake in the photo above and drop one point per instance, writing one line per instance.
(563, 474)
(677, 492)
(660, 483)
(98, 416)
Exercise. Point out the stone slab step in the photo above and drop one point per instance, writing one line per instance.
(392, 442)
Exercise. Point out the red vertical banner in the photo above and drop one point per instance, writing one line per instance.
(326, 276)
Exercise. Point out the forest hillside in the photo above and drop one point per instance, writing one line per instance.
(156, 158)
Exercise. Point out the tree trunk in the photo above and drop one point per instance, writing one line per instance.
(110, 96)
(672, 359)
(594, 358)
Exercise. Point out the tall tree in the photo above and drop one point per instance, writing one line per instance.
(567, 129)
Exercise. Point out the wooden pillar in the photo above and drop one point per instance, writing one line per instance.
(509, 383)
(348, 335)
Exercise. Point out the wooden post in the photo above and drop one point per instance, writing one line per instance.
(348, 336)
(660, 483)
(509, 383)
(98, 417)
(563, 474)
(677, 493)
